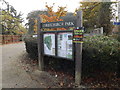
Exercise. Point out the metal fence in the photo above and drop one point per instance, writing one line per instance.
(5, 39)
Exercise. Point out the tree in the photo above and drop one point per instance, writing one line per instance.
(99, 14)
(34, 14)
(54, 16)
(11, 20)
(90, 13)
(32, 20)
(48, 16)
(69, 16)
(105, 16)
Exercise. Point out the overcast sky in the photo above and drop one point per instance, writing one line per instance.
(26, 6)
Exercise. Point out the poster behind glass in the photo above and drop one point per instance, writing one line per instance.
(49, 44)
(65, 45)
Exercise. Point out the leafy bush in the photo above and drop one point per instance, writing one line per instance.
(116, 36)
(31, 46)
(100, 54)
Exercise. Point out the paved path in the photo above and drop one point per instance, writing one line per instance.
(14, 76)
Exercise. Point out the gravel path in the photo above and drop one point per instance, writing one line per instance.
(14, 74)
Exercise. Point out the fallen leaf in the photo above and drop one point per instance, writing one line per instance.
(61, 84)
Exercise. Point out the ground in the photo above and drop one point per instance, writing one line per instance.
(15, 74)
(21, 71)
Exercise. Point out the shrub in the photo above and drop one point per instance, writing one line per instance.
(118, 38)
(100, 54)
(31, 46)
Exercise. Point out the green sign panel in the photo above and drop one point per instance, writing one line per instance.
(78, 35)
(59, 24)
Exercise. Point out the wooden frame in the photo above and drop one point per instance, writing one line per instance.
(56, 41)
(77, 47)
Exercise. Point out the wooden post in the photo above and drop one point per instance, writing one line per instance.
(119, 16)
(40, 42)
(78, 53)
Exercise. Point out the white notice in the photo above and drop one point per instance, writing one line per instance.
(65, 45)
(49, 44)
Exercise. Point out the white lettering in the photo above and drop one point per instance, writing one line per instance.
(58, 24)
(69, 23)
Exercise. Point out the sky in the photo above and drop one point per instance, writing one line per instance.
(26, 6)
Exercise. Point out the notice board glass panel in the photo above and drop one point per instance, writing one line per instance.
(65, 45)
(49, 44)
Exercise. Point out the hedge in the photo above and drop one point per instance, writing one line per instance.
(100, 54)
(31, 46)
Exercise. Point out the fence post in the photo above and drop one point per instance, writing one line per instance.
(78, 53)
(3, 40)
(40, 46)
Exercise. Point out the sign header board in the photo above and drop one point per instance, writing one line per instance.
(59, 24)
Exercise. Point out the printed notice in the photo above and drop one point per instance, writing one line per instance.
(78, 35)
(49, 44)
(65, 45)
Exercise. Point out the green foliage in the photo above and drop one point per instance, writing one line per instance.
(105, 16)
(69, 16)
(116, 36)
(31, 17)
(34, 14)
(11, 21)
(99, 14)
(90, 13)
(31, 46)
(100, 53)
